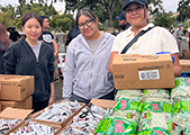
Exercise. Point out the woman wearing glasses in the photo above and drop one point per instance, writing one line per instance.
(86, 73)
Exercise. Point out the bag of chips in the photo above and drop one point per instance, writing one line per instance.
(129, 93)
(156, 118)
(156, 93)
(181, 112)
(115, 126)
(181, 89)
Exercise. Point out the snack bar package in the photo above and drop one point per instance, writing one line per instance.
(156, 118)
(181, 89)
(129, 93)
(7, 124)
(181, 112)
(115, 126)
(156, 93)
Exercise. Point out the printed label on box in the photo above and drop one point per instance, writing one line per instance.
(149, 75)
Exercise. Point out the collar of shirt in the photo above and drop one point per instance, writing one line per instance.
(130, 32)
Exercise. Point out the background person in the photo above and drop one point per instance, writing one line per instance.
(158, 39)
(72, 34)
(177, 35)
(31, 57)
(86, 73)
(47, 36)
(4, 44)
(14, 35)
(123, 23)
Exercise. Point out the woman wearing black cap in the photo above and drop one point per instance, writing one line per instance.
(156, 39)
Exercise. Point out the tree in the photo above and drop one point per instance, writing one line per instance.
(184, 10)
(164, 20)
(6, 18)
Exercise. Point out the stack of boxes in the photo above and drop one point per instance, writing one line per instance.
(16, 91)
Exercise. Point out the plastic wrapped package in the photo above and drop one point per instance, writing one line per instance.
(181, 89)
(7, 124)
(181, 112)
(186, 131)
(128, 108)
(128, 93)
(156, 118)
(115, 126)
(156, 93)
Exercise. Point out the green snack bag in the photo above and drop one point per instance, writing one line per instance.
(181, 112)
(128, 93)
(181, 89)
(156, 93)
(115, 126)
(128, 104)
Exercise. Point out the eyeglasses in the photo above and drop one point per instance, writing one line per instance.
(137, 9)
(88, 24)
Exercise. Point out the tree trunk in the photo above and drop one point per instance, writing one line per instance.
(110, 17)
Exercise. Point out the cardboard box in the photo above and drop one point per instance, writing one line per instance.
(12, 113)
(186, 54)
(98, 102)
(16, 87)
(24, 104)
(132, 71)
(0, 108)
(185, 65)
(57, 123)
(56, 127)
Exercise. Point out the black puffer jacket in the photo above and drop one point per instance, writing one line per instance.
(20, 59)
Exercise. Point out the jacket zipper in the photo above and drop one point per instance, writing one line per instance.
(91, 76)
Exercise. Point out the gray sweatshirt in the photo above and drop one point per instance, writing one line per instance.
(86, 74)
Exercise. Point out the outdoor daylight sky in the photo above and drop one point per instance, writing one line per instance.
(169, 5)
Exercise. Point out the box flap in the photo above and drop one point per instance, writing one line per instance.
(133, 58)
(15, 113)
(184, 62)
(103, 103)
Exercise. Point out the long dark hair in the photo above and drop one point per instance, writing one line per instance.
(87, 12)
(4, 39)
(29, 16)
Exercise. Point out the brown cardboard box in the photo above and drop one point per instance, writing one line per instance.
(56, 127)
(98, 102)
(24, 104)
(132, 71)
(186, 54)
(185, 65)
(12, 113)
(16, 87)
(57, 123)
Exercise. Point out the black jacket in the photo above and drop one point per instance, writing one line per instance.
(20, 60)
(72, 34)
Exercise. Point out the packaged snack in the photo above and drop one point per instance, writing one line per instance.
(129, 93)
(115, 126)
(181, 112)
(156, 118)
(182, 88)
(156, 93)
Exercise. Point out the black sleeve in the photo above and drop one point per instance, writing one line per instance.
(40, 38)
(51, 35)
(51, 66)
(69, 38)
(10, 59)
(18, 35)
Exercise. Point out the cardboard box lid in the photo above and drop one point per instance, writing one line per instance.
(136, 58)
(15, 113)
(14, 78)
(103, 103)
(184, 62)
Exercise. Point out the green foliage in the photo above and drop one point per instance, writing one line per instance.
(6, 18)
(184, 10)
(164, 20)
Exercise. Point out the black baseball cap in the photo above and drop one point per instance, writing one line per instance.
(127, 2)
